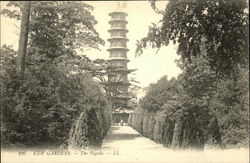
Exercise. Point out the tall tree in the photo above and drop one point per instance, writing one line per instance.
(57, 29)
(223, 24)
(47, 100)
(23, 38)
(212, 38)
(101, 70)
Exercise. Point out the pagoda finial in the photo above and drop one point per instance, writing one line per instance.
(118, 5)
(121, 5)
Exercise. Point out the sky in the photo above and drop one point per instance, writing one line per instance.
(150, 66)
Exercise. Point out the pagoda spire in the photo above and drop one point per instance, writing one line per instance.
(118, 5)
(121, 6)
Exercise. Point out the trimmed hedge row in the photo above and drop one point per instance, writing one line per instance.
(182, 133)
(156, 126)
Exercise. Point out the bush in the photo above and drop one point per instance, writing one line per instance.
(230, 102)
(140, 122)
(145, 125)
(85, 132)
(158, 131)
(168, 131)
(151, 125)
(130, 119)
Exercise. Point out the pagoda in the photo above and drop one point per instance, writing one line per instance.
(118, 59)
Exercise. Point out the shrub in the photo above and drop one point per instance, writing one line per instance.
(140, 122)
(168, 131)
(151, 125)
(85, 132)
(145, 125)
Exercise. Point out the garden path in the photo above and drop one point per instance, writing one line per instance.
(133, 147)
(124, 144)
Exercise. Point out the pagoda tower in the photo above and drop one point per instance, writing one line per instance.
(118, 54)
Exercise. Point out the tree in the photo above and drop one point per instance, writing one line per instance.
(43, 105)
(218, 22)
(198, 82)
(203, 107)
(23, 39)
(102, 71)
(58, 28)
(230, 103)
(160, 94)
(185, 103)
(212, 39)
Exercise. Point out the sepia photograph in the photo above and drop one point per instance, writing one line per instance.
(148, 81)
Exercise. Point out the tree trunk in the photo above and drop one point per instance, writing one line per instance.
(23, 38)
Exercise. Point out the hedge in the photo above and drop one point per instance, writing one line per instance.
(156, 126)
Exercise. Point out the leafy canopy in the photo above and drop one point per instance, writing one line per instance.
(41, 106)
(223, 25)
(58, 28)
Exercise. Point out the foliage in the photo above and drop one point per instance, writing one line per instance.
(206, 108)
(211, 100)
(160, 93)
(191, 98)
(231, 105)
(85, 132)
(103, 72)
(223, 24)
(43, 104)
(57, 28)
(197, 81)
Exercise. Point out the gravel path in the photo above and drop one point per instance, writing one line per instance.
(133, 147)
(125, 138)
(124, 144)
